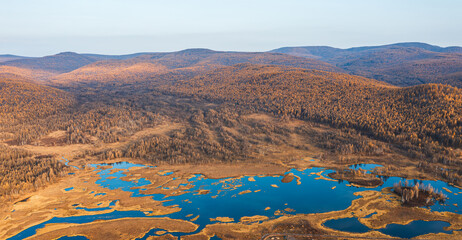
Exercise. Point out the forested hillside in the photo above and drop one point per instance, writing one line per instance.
(36, 75)
(23, 103)
(22, 100)
(431, 112)
(425, 120)
(22, 172)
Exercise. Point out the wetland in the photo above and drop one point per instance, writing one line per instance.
(163, 201)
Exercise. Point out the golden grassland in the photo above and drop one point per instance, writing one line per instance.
(128, 228)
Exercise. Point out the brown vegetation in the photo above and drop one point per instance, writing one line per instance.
(359, 177)
(22, 100)
(409, 116)
(288, 178)
(21, 172)
(417, 195)
(425, 121)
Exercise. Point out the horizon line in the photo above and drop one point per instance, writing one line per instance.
(236, 51)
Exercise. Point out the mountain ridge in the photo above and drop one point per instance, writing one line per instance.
(402, 64)
(190, 61)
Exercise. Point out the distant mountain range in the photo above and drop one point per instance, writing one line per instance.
(72, 67)
(9, 57)
(401, 64)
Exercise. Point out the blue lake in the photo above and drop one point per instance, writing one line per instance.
(224, 200)
(73, 238)
(347, 225)
(413, 229)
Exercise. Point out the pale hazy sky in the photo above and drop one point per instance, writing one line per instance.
(44, 27)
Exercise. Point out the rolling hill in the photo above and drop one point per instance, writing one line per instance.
(21, 99)
(209, 59)
(187, 62)
(9, 57)
(109, 57)
(402, 64)
(59, 63)
(334, 55)
(36, 75)
(45, 68)
(69, 66)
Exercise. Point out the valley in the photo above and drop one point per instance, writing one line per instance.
(202, 144)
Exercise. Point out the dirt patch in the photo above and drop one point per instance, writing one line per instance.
(56, 138)
(297, 226)
(365, 180)
(260, 117)
(222, 219)
(163, 237)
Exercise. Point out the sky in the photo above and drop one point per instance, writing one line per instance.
(45, 27)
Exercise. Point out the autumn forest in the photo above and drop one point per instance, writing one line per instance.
(103, 100)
